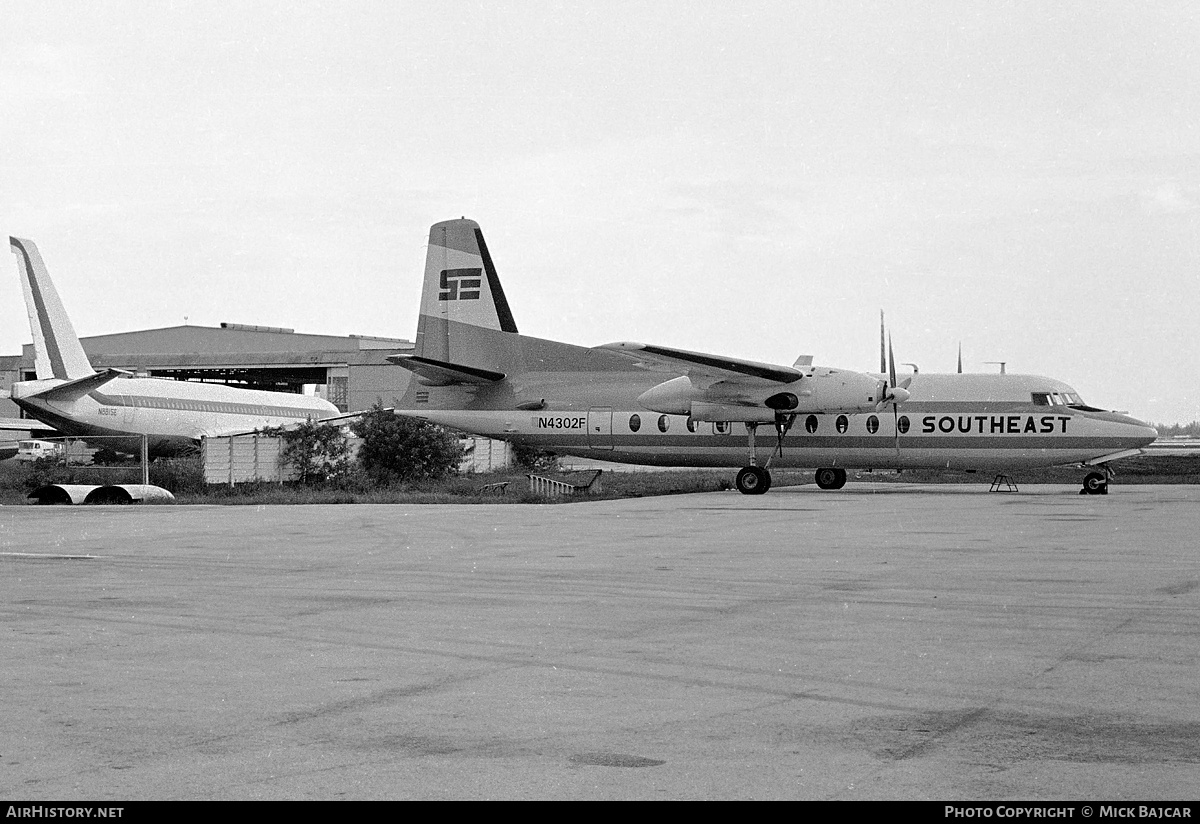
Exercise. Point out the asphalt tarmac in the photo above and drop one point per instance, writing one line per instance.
(880, 642)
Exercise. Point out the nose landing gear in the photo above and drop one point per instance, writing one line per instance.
(830, 477)
(1096, 483)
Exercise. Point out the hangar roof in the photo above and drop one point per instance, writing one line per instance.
(229, 344)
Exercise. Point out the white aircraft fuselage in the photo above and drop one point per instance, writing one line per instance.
(174, 415)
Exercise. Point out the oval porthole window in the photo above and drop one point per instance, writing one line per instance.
(691, 424)
(872, 424)
(902, 424)
(841, 424)
(664, 423)
(721, 427)
(810, 423)
(635, 423)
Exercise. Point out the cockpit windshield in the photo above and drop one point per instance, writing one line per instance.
(1069, 399)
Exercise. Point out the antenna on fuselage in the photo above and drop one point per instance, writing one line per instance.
(960, 357)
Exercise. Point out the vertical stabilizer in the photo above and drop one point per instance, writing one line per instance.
(461, 291)
(56, 348)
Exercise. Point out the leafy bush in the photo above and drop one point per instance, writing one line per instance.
(532, 458)
(398, 449)
(319, 452)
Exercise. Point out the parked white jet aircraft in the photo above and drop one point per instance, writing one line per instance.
(75, 399)
(474, 372)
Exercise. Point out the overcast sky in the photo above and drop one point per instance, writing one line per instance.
(752, 179)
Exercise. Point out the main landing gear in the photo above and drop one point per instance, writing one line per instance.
(755, 479)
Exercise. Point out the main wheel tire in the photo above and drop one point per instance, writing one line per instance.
(753, 480)
(1095, 484)
(830, 477)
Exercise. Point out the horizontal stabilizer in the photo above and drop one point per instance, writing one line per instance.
(432, 372)
(76, 389)
(717, 367)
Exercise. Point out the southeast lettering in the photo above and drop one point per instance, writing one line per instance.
(996, 424)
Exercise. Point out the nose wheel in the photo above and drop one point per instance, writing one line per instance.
(1096, 483)
(831, 477)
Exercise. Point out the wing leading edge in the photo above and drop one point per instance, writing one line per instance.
(714, 367)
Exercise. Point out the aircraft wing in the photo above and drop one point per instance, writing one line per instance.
(24, 425)
(73, 390)
(441, 373)
(714, 367)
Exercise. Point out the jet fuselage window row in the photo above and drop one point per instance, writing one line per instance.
(208, 406)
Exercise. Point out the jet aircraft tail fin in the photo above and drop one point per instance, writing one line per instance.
(56, 348)
(462, 302)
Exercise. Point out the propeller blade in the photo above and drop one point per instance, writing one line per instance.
(891, 363)
(896, 427)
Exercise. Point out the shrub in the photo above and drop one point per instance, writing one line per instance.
(532, 458)
(318, 452)
(398, 449)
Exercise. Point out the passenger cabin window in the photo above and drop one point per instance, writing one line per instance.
(810, 423)
(635, 423)
(841, 424)
(691, 424)
(721, 428)
(664, 423)
(902, 424)
(872, 424)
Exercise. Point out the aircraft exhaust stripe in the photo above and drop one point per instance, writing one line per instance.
(57, 364)
(507, 324)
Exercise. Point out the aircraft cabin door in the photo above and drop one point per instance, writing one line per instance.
(600, 427)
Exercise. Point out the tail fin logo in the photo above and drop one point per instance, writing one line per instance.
(460, 284)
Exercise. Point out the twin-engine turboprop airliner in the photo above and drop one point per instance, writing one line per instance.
(75, 399)
(475, 372)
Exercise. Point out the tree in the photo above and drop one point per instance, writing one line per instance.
(318, 452)
(532, 458)
(400, 449)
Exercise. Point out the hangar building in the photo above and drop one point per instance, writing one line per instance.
(351, 372)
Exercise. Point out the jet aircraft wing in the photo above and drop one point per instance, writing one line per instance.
(699, 364)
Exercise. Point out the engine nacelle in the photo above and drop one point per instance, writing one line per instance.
(820, 390)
